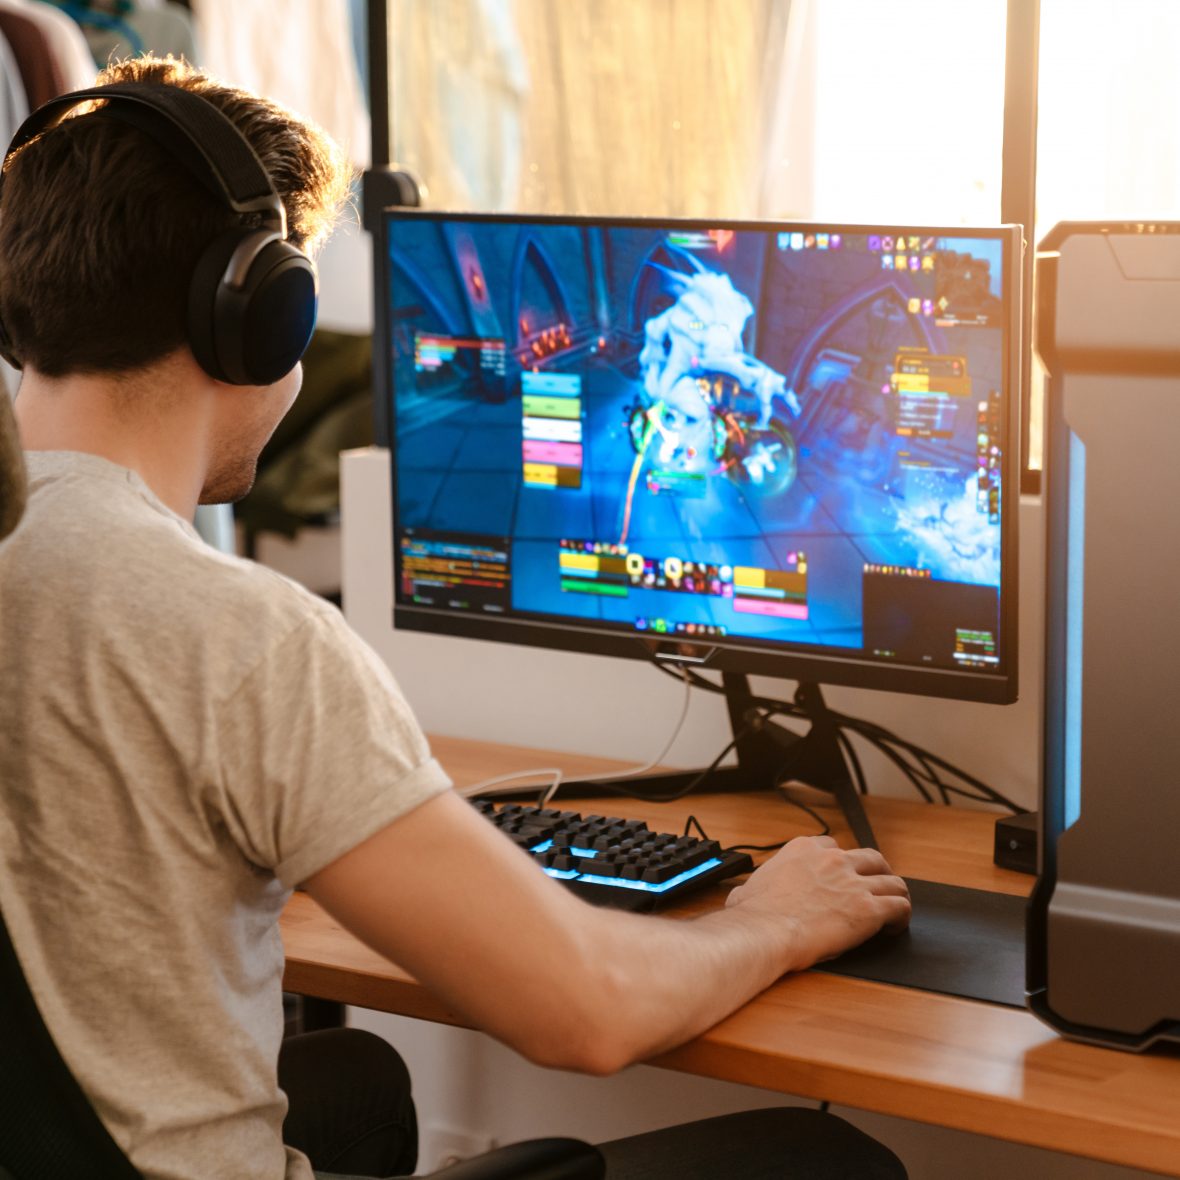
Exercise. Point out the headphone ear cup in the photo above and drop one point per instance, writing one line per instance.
(252, 307)
(203, 294)
(280, 312)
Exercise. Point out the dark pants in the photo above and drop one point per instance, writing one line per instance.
(352, 1114)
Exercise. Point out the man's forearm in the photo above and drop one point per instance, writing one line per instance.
(659, 982)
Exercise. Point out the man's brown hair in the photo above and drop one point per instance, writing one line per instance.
(100, 227)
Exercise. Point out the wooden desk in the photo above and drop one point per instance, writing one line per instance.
(936, 1059)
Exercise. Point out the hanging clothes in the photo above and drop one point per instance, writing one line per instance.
(160, 27)
(50, 51)
(302, 58)
(42, 54)
(14, 103)
(14, 109)
(40, 71)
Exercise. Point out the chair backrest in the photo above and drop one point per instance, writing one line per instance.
(12, 469)
(47, 1125)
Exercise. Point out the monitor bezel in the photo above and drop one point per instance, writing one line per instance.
(730, 654)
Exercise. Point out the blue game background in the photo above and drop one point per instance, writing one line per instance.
(829, 320)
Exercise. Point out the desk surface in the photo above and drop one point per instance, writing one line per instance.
(937, 1059)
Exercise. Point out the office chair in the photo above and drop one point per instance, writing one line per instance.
(48, 1127)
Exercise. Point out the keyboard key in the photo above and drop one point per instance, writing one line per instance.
(611, 861)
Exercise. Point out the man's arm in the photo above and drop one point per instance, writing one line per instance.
(570, 985)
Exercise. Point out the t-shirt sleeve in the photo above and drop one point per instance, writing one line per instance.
(317, 750)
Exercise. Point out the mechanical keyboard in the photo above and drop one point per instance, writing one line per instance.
(615, 862)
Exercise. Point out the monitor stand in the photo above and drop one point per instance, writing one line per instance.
(767, 754)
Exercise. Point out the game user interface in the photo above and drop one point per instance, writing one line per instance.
(775, 437)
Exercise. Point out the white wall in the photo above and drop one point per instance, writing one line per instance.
(345, 266)
(472, 1091)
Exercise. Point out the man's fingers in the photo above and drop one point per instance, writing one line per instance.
(887, 885)
(897, 911)
(868, 861)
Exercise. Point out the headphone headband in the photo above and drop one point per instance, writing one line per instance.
(213, 143)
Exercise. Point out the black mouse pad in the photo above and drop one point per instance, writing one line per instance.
(961, 942)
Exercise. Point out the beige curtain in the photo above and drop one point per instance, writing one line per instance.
(297, 52)
(648, 107)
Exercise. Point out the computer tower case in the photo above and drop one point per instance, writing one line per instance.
(1104, 922)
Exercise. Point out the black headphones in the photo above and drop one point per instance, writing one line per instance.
(252, 298)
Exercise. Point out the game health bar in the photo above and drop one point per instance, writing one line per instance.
(551, 430)
(432, 351)
(556, 454)
(552, 475)
(563, 430)
(593, 573)
(780, 594)
(712, 239)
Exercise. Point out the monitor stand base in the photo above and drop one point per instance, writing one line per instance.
(767, 754)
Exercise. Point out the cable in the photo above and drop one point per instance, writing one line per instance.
(878, 733)
(605, 779)
(558, 775)
(694, 782)
(853, 760)
(786, 798)
(907, 770)
(476, 789)
(928, 777)
(815, 815)
(693, 822)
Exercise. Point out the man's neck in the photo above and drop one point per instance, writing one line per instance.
(154, 422)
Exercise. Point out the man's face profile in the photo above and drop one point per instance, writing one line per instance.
(251, 415)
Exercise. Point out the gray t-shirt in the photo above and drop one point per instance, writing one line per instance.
(186, 736)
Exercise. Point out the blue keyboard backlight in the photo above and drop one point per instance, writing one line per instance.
(642, 886)
(545, 845)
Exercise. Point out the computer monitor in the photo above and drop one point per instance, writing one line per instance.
(769, 448)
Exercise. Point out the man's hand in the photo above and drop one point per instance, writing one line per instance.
(833, 899)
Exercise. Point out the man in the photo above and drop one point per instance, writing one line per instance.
(188, 736)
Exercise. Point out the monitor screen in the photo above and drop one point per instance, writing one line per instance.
(783, 449)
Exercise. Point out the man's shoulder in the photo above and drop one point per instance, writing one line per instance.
(261, 592)
(159, 585)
